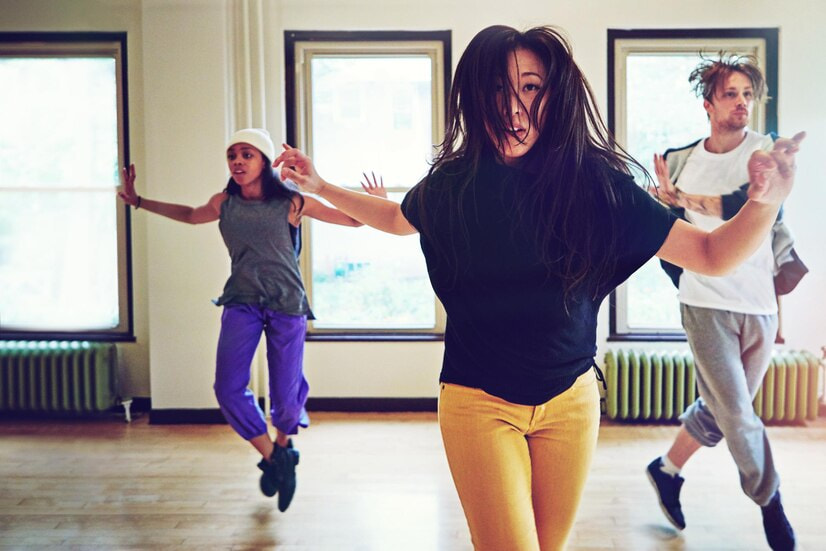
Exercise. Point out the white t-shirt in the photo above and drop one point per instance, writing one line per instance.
(749, 289)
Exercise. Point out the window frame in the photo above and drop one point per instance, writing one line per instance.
(297, 123)
(89, 44)
(624, 41)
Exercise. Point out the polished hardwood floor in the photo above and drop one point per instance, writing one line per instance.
(366, 482)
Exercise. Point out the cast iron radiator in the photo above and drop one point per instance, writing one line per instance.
(658, 385)
(57, 377)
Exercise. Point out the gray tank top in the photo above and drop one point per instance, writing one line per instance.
(264, 259)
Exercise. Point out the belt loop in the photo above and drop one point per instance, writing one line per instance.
(603, 406)
(599, 374)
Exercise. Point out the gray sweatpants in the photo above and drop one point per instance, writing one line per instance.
(731, 354)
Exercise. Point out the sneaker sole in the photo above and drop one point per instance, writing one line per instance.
(267, 492)
(660, 501)
(264, 485)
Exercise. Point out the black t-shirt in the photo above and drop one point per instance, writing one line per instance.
(508, 332)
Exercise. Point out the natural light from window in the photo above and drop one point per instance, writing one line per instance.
(58, 173)
(370, 113)
(662, 112)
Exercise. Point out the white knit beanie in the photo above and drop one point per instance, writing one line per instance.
(256, 137)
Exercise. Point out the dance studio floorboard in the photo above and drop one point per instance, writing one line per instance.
(365, 482)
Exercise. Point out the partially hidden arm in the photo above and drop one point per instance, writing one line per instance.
(377, 212)
(318, 210)
(673, 196)
(374, 187)
(209, 212)
(771, 177)
(710, 205)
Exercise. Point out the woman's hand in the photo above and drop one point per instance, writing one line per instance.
(127, 192)
(771, 174)
(298, 167)
(376, 187)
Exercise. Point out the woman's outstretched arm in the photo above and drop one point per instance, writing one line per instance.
(377, 212)
(209, 212)
(771, 177)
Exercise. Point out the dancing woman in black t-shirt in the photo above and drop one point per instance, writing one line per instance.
(528, 219)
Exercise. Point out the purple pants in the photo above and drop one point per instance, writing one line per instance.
(241, 327)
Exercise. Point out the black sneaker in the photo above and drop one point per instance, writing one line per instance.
(270, 478)
(285, 459)
(779, 532)
(668, 493)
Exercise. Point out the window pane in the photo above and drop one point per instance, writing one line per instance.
(58, 261)
(378, 110)
(58, 171)
(367, 279)
(59, 122)
(662, 112)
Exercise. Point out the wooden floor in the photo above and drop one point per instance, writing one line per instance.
(366, 482)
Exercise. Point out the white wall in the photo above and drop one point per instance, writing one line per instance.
(186, 99)
(105, 16)
(180, 98)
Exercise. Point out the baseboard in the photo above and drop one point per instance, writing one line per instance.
(186, 417)
(204, 416)
(382, 405)
(210, 416)
(141, 404)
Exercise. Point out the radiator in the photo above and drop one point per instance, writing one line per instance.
(659, 385)
(57, 377)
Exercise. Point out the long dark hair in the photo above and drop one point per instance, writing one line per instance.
(271, 186)
(574, 158)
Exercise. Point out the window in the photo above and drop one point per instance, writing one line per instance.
(367, 102)
(651, 108)
(64, 254)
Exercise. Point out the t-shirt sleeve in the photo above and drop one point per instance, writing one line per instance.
(410, 206)
(643, 226)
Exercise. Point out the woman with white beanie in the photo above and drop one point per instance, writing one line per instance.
(259, 220)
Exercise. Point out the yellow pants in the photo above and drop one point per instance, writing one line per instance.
(520, 470)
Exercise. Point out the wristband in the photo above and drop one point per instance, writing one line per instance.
(138, 204)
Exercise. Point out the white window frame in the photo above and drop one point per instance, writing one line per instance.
(301, 48)
(762, 43)
(77, 45)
